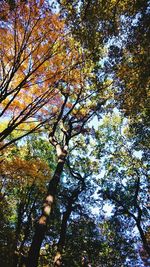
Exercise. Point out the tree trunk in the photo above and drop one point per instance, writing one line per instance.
(43, 221)
(61, 243)
(144, 240)
(18, 232)
(66, 215)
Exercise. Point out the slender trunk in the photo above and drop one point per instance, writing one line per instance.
(43, 221)
(144, 240)
(71, 200)
(18, 232)
(15, 260)
(61, 243)
(66, 215)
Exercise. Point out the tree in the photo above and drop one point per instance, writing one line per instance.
(7, 237)
(123, 26)
(36, 53)
(74, 127)
(24, 176)
(125, 182)
(132, 72)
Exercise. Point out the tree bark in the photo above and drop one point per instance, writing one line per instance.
(66, 215)
(61, 243)
(41, 227)
(144, 240)
(18, 232)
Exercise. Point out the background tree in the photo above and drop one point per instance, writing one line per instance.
(125, 181)
(24, 176)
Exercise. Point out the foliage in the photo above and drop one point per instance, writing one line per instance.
(24, 176)
(68, 153)
(125, 180)
(38, 58)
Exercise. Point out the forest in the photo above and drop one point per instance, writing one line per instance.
(74, 133)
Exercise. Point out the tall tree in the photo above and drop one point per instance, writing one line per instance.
(71, 126)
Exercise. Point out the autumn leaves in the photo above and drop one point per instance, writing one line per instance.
(41, 63)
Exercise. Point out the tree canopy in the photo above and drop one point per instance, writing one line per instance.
(74, 133)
